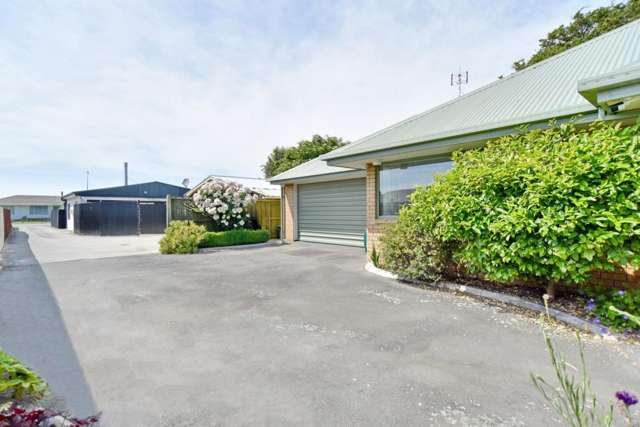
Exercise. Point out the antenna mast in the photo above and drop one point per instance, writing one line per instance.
(459, 79)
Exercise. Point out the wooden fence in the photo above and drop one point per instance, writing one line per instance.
(5, 225)
(268, 214)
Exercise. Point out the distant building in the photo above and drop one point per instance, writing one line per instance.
(120, 210)
(30, 207)
(258, 186)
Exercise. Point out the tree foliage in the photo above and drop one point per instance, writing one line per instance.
(550, 205)
(282, 159)
(584, 26)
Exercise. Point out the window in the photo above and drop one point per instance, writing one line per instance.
(38, 210)
(397, 181)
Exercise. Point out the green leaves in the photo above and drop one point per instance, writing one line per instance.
(182, 237)
(550, 204)
(17, 382)
(282, 159)
(583, 27)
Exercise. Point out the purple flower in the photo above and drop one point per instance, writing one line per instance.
(626, 397)
(621, 292)
(591, 305)
(596, 320)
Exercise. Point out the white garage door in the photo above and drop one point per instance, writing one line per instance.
(333, 212)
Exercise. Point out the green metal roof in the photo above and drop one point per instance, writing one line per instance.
(543, 91)
(316, 167)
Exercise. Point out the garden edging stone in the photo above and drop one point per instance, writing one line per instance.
(507, 299)
(272, 242)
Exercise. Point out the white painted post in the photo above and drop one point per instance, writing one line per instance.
(168, 210)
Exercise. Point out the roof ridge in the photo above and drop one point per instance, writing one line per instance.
(492, 84)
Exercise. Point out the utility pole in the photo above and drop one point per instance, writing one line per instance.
(459, 79)
(87, 172)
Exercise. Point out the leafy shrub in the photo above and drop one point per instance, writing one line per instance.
(551, 205)
(17, 382)
(233, 237)
(411, 251)
(602, 299)
(181, 237)
(226, 203)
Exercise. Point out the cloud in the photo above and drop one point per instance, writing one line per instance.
(184, 89)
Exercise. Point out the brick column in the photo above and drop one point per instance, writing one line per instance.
(288, 212)
(375, 225)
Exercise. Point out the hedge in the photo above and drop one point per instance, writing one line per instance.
(181, 237)
(233, 237)
(548, 205)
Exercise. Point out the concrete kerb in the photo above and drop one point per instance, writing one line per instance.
(558, 315)
(270, 243)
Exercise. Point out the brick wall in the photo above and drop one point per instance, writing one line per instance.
(621, 278)
(375, 225)
(289, 212)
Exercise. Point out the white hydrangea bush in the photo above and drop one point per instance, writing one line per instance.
(226, 203)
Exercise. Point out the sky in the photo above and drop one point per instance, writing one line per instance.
(188, 88)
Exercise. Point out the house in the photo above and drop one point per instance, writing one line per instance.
(258, 186)
(30, 207)
(349, 195)
(127, 209)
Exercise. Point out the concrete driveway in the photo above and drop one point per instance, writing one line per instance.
(53, 245)
(293, 335)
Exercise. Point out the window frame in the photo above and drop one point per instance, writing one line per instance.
(393, 164)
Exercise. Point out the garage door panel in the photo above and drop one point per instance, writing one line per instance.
(332, 212)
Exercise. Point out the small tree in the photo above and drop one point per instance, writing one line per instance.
(226, 203)
(282, 159)
(583, 27)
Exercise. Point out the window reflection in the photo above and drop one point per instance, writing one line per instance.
(396, 182)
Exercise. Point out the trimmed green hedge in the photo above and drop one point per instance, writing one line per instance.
(233, 237)
(549, 205)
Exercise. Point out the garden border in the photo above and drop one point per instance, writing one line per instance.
(561, 316)
(269, 243)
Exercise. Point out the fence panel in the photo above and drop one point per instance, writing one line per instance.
(6, 224)
(268, 214)
(58, 218)
(86, 218)
(119, 218)
(153, 217)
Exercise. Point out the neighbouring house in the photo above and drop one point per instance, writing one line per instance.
(127, 209)
(30, 207)
(258, 186)
(349, 195)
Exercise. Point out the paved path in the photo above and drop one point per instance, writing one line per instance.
(292, 335)
(33, 329)
(53, 245)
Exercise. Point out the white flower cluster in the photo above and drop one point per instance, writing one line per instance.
(225, 202)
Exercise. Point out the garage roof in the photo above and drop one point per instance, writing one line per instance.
(543, 91)
(540, 92)
(150, 190)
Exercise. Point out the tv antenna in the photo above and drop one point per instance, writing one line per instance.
(459, 79)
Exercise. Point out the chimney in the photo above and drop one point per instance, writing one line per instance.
(126, 173)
